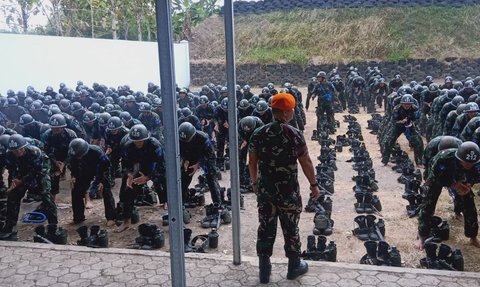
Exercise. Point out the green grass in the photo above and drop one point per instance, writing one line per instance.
(328, 36)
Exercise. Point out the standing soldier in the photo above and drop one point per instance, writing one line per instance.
(273, 153)
(56, 141)
(29, 169)
(326, 96)
(246, 127)
(90, 168)
(221, 127)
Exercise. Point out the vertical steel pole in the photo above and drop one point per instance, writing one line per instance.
(232, 130)
(172, 151)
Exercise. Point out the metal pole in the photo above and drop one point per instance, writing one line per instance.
(232, 130)
(172, 151)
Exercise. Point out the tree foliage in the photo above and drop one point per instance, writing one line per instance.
(109, 19)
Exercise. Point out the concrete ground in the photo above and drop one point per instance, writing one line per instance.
(34, 264)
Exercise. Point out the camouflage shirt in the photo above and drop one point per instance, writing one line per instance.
(278, 146)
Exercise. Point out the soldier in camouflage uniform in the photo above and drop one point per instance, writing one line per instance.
(404, 115)
(273, 153)
(246, 127)
(29, 168)
(457, 169)
(471, 110)
(451, 118)
(325, 93)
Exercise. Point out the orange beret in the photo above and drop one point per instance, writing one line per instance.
(283, 101)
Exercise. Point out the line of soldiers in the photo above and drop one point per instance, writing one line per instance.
(100, 133)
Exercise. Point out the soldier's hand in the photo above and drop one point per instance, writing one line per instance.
(194, 167)
(461, 188)
(60, 165)
(225, 125)
(142, 179)
(100, 187)
(243, 145)
(216, 128)
(185, 165)
(130, 180)
(108, 151)
(315, 192)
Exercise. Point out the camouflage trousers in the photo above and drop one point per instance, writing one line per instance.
(268, 213)
(464, 204)
(414, 139)
(47, 205)
(327, 109)
(422, 124)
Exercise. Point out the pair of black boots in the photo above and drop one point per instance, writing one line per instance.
(413, 194)
(439, 229)
(381, 254)
(446, 259)
(216, 214)
(196, 197)
(150, 237)
(367, 203)
(98, 238)
(321, 204)
(119, 212)
(369, 228)
(296, 268)
(320, 251)
(51, 235)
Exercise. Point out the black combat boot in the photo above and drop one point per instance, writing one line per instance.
(311, 246)
(431, 251)
(296, 267)
(371, 247)
(83, 232)
(187, 234)
(265, 268)
(382, 253)
(321, 243)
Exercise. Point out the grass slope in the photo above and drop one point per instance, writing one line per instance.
(328, 36)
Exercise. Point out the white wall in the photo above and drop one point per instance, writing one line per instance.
(41, 61)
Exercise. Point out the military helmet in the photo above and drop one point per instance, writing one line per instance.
(75, 107)
(4, 143)
(468, 84)
(254, 99)
(103, 119)
(157, 102)
(224, 104)
(468, 152)
(25, 120)
(270, 86)
(36, 105)
(407, 99)
(78, 148)
(88, 117)
(186, 131)
(428, 78)
(471, 107)
(203, 100)
(321, 74)
(448, 79)
(472, 98)
(447, 142)
(129, 99)
(457, 100)
(57, 121)
(12, 102)
(261, 106)
(186, 111)
(114, 123)
(452, 93)
(288, 85)
(434, 88)
(144, 107)
(237, 88)
(224, 90)
(460, 108)
(248, 123)
(182, 91)
(214, 104)
(138, 133)
(109, 108)
(458, 85)
(246, 88)
(413, 84)
(243, 104)
(265, 90)
(16, 142)
(125, 117)
(205, 89)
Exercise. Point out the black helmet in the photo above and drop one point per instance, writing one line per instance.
(468, 152)
(248, 123)
(457, 100)
(144, 107)
(205, 89)
(89, 117)
(321, 74)
(57, 121)
(471, 107)
(109, 108)
(10, 93)
(186, 111)
(125, 117)
(224, 90)
(78, 148)
(433, 88)
(468, 84)
(447, 142)
(157, 102)
(270, 86)
(103, 119)
(472, 98)
(261, 106)
(224, 104)
(25, 120)
(404, 90)
(243, 104)
(452, 93)
(95, 107)
(4, 143)
(428, 78)
(54, 110)
(458, 85)
(461, 108)
(16, 141)
(186, 131)
(183, 91)
(114, 123)
(138, 133)
(214, 104)
(254, 99)
(129, 98)
(64, 104)
(75, 107)
(237, 88)
(246, 88)
(266, 90)
(36, 105)
(448, 79)
(12, 102)
(203, 100)
(288, 86)
(407, 99)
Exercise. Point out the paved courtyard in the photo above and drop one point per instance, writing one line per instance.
(31, 264)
